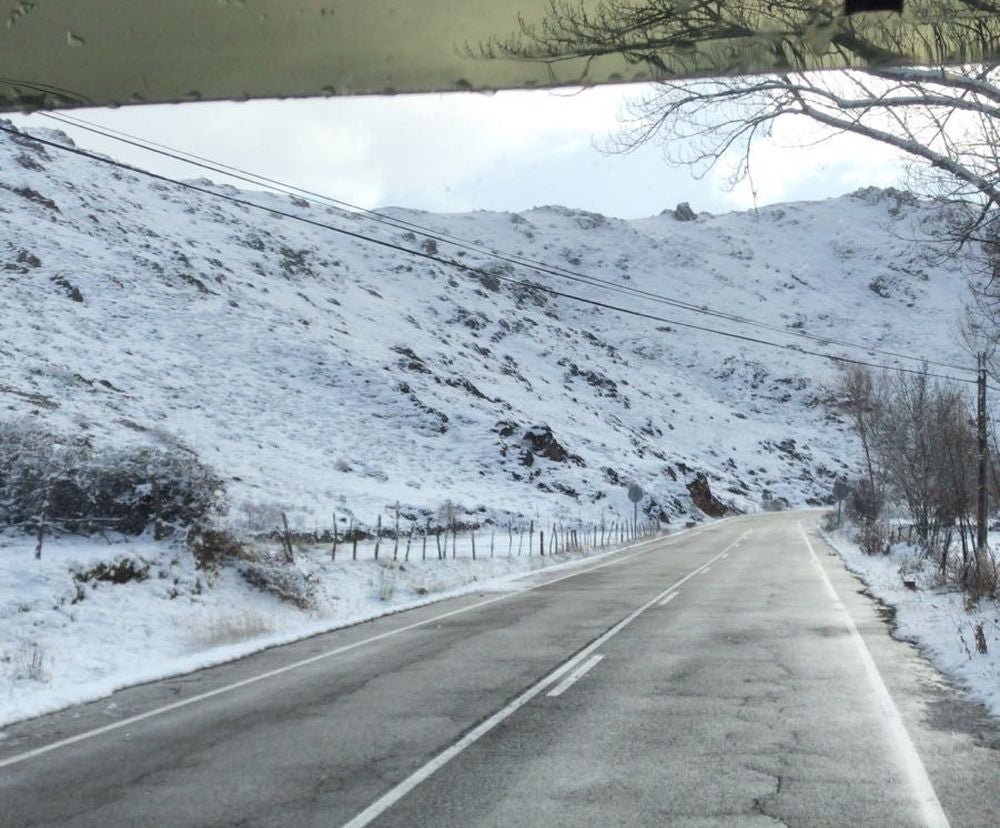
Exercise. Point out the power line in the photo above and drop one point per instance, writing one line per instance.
(518, 260)
(478, 271)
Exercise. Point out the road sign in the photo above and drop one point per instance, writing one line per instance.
(841, 489)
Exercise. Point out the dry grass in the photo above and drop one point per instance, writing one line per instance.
(232, 629)
(29, 662)
(384, 583)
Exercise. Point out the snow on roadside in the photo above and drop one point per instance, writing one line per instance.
(933, 616)
(70, 634)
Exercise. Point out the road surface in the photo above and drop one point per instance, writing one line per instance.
(731, 676)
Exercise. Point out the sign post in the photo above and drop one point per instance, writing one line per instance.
(635, 494)
(840, 491)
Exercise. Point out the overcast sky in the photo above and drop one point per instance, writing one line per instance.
(459, 152)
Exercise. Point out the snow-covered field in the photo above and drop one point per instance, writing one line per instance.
(317, 372)
(320, 374)
(933, 617)
(69, 634)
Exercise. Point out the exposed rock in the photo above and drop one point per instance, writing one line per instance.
(701, 495)
(505, 428)
(541, 441)
(683, 212)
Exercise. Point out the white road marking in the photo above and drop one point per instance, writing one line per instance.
(706, 569)
(668, 599)
(906, 753)
(228, 688)
(725, 556)
(575, 676)
(391, 797)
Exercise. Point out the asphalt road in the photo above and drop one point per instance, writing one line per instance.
(733, 676)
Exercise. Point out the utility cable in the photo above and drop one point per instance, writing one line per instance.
(438, 236)
(477, 271)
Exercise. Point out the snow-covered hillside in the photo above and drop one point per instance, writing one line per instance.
(316, 372)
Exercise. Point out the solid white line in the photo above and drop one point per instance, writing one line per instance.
(575, 676)
(906, 753)
(218, 691)
(706, 569)
(725, 556)
(391, 797)
(668, 599)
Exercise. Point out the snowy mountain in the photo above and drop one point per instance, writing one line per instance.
(318, 372)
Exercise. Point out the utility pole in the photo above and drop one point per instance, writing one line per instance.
(981, 510)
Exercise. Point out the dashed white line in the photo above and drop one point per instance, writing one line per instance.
(668, 599)
(391, 797)
(706, 569)
(906, 753)
(159, 711)
(575, 676)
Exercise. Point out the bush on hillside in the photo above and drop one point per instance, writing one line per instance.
(49, 478)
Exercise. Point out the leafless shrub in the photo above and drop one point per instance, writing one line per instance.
(211, 548)
(873, 538)
(285, 582)
(29, 662)
(64, 482)
(980, 637)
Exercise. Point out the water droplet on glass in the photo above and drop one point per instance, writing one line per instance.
(73, 39)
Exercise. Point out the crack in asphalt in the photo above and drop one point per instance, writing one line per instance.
(761, 803)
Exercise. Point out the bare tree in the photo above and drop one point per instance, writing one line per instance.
(929, 451)
(955, 472)
(860, 396)
(919, 453)
(945, 117)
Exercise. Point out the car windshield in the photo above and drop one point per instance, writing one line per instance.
(598, 454)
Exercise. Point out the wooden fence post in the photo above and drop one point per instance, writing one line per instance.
(287, 540)
(42, 519)
(395, 535)
(334, 552)
(378, 534)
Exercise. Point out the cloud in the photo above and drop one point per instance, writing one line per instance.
(463, 151)
(801, 161)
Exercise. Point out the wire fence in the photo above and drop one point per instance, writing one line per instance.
(456, 540)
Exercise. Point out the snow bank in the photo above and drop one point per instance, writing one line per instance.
(932, 616)
(70, 634)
